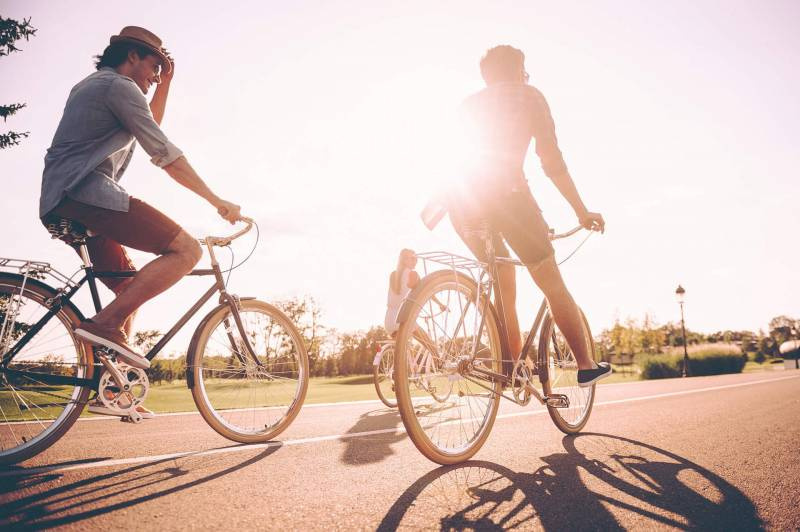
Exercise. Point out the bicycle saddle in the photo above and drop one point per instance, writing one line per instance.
(67, 230)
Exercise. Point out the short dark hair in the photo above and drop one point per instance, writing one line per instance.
(502, 63)
(117, 53)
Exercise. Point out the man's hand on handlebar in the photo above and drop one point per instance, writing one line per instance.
(593, 221)
(229, 211)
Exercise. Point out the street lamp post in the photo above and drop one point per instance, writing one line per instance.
(685, 371)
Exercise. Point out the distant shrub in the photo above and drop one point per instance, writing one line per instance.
(700, 363)
(661, 367)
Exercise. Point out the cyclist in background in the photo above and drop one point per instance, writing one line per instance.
(401, 281)
(501, 120)
(106, 114)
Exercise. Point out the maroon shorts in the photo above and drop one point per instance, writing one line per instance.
(512, 216)
(142, 227)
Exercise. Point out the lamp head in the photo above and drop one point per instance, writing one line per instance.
(679, 292)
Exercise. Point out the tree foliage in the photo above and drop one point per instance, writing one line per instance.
(12, 31)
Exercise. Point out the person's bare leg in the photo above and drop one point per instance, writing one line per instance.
(507, 283)
(158, 275)
(565, 312)
(127, 325)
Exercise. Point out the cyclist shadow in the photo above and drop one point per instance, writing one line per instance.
(600, 482)
(385, 427)
(72, 502)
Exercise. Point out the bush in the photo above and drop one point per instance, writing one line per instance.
(661, 367)
(700, 363)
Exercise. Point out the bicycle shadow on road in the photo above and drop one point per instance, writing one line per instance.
(383, 428)
(60, 503)
(600, 482)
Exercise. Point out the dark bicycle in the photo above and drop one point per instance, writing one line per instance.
(453, 308)
(246, 364)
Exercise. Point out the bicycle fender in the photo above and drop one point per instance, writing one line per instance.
(191, 352)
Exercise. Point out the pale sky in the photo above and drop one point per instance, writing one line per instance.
(326, 121)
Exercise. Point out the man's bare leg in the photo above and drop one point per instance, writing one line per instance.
(565, 312)
(127, 325)
(158, 275)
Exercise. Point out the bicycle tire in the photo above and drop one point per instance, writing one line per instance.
(383, 371)
(562, 377)
(452, 289)
(25, 404)
(217, 390)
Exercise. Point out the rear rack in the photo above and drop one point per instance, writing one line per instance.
(36, 270)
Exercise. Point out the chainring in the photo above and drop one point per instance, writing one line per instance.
(120, 399)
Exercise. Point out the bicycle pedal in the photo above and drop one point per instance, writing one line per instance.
(132, 417)
(557, 400)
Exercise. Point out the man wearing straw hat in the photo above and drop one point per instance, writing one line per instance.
(106, 114)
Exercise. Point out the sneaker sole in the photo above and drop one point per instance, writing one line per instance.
(131, 359)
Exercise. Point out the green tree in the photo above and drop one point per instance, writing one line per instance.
(783, 328)
(12, 31)
(306, 315)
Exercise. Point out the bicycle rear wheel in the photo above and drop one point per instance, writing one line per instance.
(383, 376)
(557, 359)
(245, 400)
(448, 410)
(33, 413)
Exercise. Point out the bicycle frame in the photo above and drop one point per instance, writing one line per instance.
(487, 290)
(90, 277)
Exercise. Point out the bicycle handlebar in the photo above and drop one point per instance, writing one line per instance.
(555, 236)
(225, 240)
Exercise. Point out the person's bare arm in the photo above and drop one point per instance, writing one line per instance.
(554, 167)
(181, 171)
(159, 102)
(589, 220)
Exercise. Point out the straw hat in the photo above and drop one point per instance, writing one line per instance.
(138, 35)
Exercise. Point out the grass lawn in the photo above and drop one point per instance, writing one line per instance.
(176, 397)
(751, 366)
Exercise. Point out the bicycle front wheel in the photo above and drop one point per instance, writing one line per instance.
(447, 407)
(383, 376)
(34, 412)
(247, 399)
(558, 360)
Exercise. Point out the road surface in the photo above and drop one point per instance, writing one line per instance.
(707, 452)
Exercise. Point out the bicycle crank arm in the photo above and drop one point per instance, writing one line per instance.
(121, 381)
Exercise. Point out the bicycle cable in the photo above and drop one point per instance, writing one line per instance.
(230, 249)
(576, 249)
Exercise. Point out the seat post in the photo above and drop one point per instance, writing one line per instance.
(84, 253)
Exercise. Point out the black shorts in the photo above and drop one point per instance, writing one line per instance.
(512, 216)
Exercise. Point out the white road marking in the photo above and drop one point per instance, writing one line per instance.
(332, 437)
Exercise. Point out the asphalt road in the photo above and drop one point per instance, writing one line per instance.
(708, 452)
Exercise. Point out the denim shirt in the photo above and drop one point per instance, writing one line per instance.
(105, 115)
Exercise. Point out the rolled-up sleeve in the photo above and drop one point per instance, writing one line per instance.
(130, 107)
(546, 142)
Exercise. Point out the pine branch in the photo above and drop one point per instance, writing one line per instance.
(12, 138)
(12, 31)
(8, 110)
